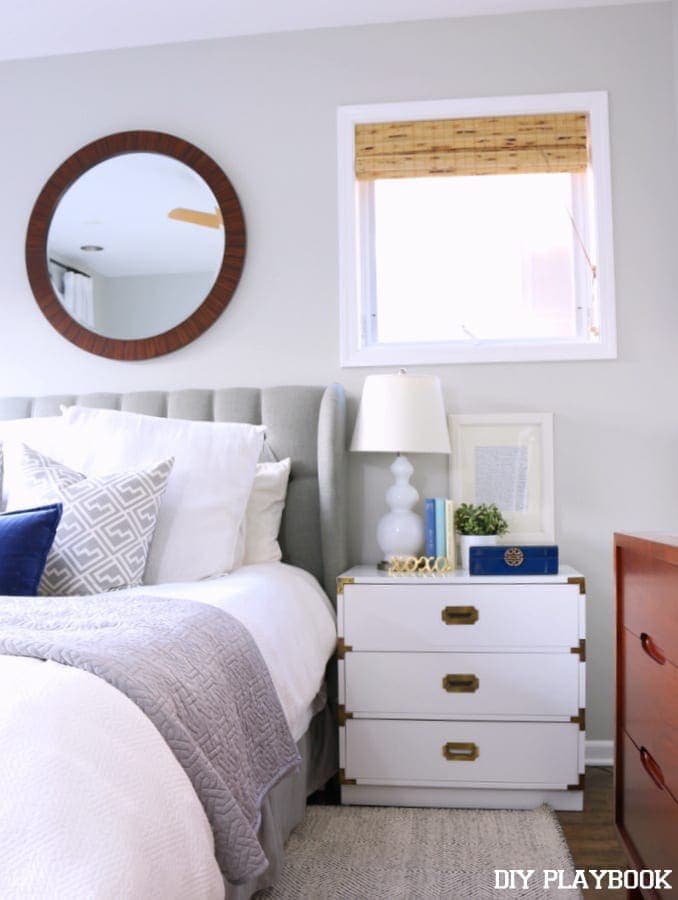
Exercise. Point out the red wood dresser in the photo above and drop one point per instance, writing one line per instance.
(646, 774)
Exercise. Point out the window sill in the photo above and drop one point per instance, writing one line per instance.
(426, 354)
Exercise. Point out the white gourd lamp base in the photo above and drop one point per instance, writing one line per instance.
(400, 531)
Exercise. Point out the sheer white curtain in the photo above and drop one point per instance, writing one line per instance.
(78, 297)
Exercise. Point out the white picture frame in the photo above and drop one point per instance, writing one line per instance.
(507, 459)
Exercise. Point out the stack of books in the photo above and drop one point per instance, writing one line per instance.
(439, 522)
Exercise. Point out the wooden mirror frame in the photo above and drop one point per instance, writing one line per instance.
(224, 286)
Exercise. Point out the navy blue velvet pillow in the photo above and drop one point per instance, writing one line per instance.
(26, 537)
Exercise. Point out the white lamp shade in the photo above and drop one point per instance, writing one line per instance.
(401, 414)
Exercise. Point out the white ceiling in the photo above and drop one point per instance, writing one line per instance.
(33, 28)
(122, 205)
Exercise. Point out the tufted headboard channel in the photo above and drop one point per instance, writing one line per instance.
(308, 424)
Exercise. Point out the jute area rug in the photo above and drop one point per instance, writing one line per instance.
(368, 853)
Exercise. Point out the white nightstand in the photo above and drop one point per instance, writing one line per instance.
(461, 691)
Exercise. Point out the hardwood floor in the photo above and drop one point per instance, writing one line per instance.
(591, 834)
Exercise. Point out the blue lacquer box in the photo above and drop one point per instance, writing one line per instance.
(517, 560)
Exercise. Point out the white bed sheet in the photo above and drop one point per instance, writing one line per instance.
(94, 804)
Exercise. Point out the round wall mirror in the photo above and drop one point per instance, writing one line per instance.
(135, 245)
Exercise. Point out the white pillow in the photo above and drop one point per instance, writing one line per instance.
(214, 466)
(264, 512)
(45, 433)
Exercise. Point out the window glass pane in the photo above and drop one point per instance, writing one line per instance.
(488, 257)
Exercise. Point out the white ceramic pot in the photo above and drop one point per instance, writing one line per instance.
(466, 541)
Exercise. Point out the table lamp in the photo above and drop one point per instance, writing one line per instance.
(400, 414)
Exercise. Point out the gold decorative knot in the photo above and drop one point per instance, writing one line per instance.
(419, 565)
(514, 556)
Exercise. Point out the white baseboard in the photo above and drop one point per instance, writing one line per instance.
(600, 753)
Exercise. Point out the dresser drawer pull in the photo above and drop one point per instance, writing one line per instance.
(461, 684)
(460, 615)
(652, 649)
(652, 768)
(460, 752)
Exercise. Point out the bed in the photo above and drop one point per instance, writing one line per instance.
(144, 784)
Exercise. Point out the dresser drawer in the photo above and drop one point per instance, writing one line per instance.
(650, 600)
(649, 816)
(499, 685)
(461, 617)
(481, 754)
(650, 705)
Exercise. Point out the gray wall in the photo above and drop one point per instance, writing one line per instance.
(132, 306)
(264, 108)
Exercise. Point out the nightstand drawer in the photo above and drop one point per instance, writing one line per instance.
(499, 685)
(429, 616)
(480, 754)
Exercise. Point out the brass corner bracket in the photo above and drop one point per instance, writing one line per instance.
(580, 719)
(342, 582)
(579, 786)
(581, 650)
(342, 715)
(343, 779)
(580, 580)
(342, 648)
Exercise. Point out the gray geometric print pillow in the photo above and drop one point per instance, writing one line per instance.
(105, 532)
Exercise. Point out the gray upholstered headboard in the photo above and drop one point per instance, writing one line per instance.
(307, 424)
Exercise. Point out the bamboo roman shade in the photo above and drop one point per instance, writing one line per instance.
(488, 145)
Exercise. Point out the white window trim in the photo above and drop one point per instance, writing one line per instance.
(354, 327)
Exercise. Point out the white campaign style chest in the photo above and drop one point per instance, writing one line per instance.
(461, 690)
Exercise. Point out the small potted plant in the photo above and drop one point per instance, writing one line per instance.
(476, 526)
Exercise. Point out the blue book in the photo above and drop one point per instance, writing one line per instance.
(430, 526)
(523, 560)
(441, 530)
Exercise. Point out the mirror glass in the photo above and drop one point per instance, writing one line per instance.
(135, 245)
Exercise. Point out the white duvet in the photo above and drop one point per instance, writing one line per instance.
(92, 802)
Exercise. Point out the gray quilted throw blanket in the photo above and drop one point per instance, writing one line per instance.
(197, 674)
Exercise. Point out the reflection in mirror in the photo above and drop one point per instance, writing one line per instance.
(135, 245)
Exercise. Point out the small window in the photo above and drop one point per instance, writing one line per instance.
(481, 237)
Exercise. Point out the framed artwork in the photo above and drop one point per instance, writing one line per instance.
(507, 459)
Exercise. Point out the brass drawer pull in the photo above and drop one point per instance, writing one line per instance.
(652, 649)
(460, 752)
(460, 615)
(652, 767)
(461, 684)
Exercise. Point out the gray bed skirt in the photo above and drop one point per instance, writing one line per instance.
(285, 805)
